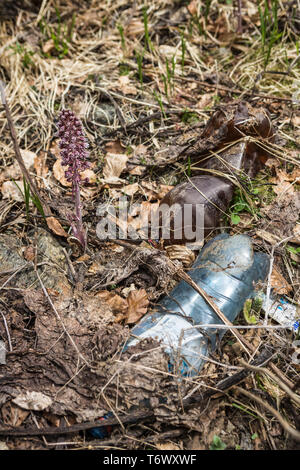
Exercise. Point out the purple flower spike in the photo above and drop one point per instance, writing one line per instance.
(73, 145)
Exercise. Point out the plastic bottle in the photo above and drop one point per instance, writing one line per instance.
(205, 191)
(227, 269)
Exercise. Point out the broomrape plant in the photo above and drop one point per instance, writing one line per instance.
(73, 145)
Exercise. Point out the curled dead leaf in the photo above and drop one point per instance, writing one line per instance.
(56, 227)
(181, 253)
(137, 305)
(278, 283)
(114, 165)
(115, 301)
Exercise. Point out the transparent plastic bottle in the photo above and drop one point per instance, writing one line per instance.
(227, 269)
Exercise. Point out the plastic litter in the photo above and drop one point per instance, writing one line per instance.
(232, 142)
(205, 193)
(227, 269)
(282, 311)
(101, 433)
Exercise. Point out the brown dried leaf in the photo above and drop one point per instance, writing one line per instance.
(130, 189)
(114, 146)
(181, 253)
(192, 7)
(48, 46)
(56, 227)
(137, 305)
(114, 165)
(278, 283)
(134, 28)
(205, 100)
(125, 86)
(12, 415)
(59, 174)
(115, 301)
(283, 183)
(167, 446)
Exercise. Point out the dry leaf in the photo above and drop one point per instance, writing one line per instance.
(115, 301)
(137, 170)
(36, 401)
(278, 283)
(130, 189)
(55, 227)
(139, 216)
(114, 146)
(134, 28)
(267, 236)
(137, 305)
(40, 166)
(167, 446)
(168, 51)
(28, 157)
(29, 253)
(115, 163)
(48, 46)
(125, 87)
(59, 174)
(205, 100)
(283, 184)
(192, 7)
(10, 191)
(181, 253)
(296, 232)
(12, 415)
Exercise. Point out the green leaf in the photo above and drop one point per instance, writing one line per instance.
(217, 444)
(235, 219)
(247, 309)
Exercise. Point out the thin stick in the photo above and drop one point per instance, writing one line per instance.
(243, 342)
(19, 157)
(286, 426)
(276, 379)
(7, 332)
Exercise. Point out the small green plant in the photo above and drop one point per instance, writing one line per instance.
(168, 78)
(28, 195)
(124, 69)
(251, 310)
(60, 35)
(121, 31)
(147, 37)
(26, 54)
(240, 203)
(269, 28)
(160, 103)
(217, 444)
(189, 117)
(242, 408)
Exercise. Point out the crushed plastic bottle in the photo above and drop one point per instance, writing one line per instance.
(227, 269)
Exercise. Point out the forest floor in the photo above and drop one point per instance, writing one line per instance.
(144, 77)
